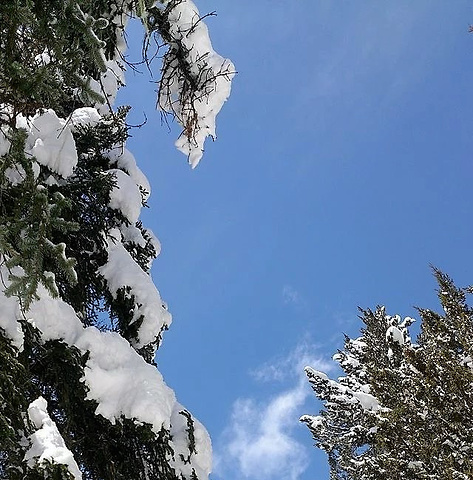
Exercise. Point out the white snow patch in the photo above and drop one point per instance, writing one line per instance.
(367, 401)
(132, 234)
(10, 313)
(50, 141)
(4, 143)
(314, 421)
(15, 174)
(120, 271)
(112, 80)
(415, 465)
(43, 58)
(55, 318)
(311, 371)
(47, 443)
(122, 382)
(154, 241)
(125, 196)
(346, 359)
(85, 116)
(393, 333)
(202, 457)
(117, 377)
(125, 160)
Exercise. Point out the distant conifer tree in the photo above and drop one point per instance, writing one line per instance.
(401, 409)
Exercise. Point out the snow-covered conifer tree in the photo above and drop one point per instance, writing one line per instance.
(80, 318)
(402, 409)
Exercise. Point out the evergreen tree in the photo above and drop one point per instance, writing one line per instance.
(80, 319)
(402, 409)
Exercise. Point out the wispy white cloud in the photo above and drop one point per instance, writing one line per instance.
(261, 445)
(293, 298)
(291, 366)
(260, 442)
(291, 295)
(373, 59)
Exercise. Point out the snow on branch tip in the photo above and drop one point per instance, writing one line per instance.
(195, 80)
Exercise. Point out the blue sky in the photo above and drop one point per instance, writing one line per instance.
(342, 170)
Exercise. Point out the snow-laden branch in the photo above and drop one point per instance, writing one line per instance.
(195, 80)
(122, 383)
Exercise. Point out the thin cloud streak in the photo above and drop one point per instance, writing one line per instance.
(291, 295)
(292, 365)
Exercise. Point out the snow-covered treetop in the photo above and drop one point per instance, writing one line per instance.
(401, 409)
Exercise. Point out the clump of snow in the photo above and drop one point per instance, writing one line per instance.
(117, 377)
(110, 81)
(124, 159)
(407, 322)
(4, 143)
(43, 58)
(468, 361)
(50, 141)
(16, 174)
(121, 271)
(213, 75)
(314, 421)
(10, 313)
(85, 116)
(346, 359)
(398, 332)
(122, 382)
(394, 334)
(358, 344)
(352, 392)
(130, 233)
(125, 196)
(47, 444)
(201, 456)
(315, 373)
(55, 318)
(154, 241)
(367, 401)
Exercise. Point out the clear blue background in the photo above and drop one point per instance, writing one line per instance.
(343, 168)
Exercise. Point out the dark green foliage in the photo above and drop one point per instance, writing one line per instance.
(89, 193)
(28, 229)
(49, 53)
(15, 382)
(19, 388)
(422, 427)
(49, 470)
